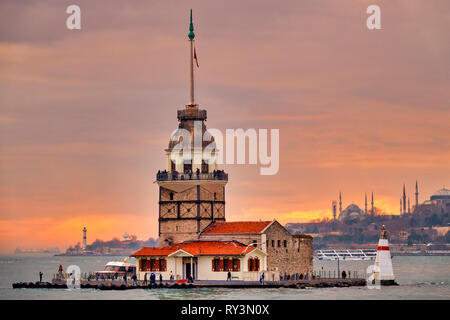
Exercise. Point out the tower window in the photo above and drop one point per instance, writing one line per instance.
(171, 196)
(176, 228)
(215, 196)
(279, 243)
(273, 243)
(285, 243)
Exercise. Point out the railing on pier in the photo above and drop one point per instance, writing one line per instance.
(334, 274)
(175, 175)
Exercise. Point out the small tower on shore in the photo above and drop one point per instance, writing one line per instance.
(383, 271)
(84, 239)
(340, 203)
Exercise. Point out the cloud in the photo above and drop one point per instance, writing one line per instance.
(85, 115)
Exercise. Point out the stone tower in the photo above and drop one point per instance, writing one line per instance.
(84, 239)
(191, 188)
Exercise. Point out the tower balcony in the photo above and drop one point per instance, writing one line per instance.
(175, 175)
(191, 113)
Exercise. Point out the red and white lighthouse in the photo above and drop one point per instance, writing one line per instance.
(383, 271)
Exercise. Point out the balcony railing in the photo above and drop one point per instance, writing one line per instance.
(175, 175)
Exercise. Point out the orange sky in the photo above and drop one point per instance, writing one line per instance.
(85, 115)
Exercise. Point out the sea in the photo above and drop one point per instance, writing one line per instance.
(419, 277)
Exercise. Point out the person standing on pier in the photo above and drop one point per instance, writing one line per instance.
(124, 279)
(60, 272)
(40, 276)
(229, 276)
(152, 279)
(145, 279)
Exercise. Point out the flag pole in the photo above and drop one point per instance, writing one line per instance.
(191, 37)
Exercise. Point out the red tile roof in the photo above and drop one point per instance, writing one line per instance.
(236, 227)
(198, 248)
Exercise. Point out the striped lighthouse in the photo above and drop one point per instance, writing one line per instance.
(383, 271)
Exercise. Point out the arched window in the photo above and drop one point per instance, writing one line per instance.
(236, 265)
(205, 168)
(253, 264)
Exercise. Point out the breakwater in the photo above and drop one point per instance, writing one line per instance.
(106, 285)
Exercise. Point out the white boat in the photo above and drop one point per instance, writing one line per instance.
(346, 254)
(117, 269)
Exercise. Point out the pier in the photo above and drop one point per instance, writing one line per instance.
(234, 284)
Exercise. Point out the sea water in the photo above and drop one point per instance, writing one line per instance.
(419, 277)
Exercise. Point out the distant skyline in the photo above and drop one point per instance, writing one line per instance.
(85, 115)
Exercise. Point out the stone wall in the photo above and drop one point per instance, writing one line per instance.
(287, 253)
(173, 231)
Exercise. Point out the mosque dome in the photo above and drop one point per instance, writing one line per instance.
(351, 212)
(442, 194)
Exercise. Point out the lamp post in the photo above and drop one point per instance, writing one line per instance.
(251, 244)
(338, 267)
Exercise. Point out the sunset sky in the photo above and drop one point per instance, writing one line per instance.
(85, 115)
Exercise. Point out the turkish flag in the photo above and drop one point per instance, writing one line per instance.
(195, 57)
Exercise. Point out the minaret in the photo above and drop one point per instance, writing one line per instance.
(191, 37)
(417, 196)
(409, 208)
(333, 207)
(401, 211)
(372, 211)
(340, 203)
(192, 188)
(365, 207)
(84, 238)
(404, 199)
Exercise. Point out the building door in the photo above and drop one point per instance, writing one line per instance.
(190, 269)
